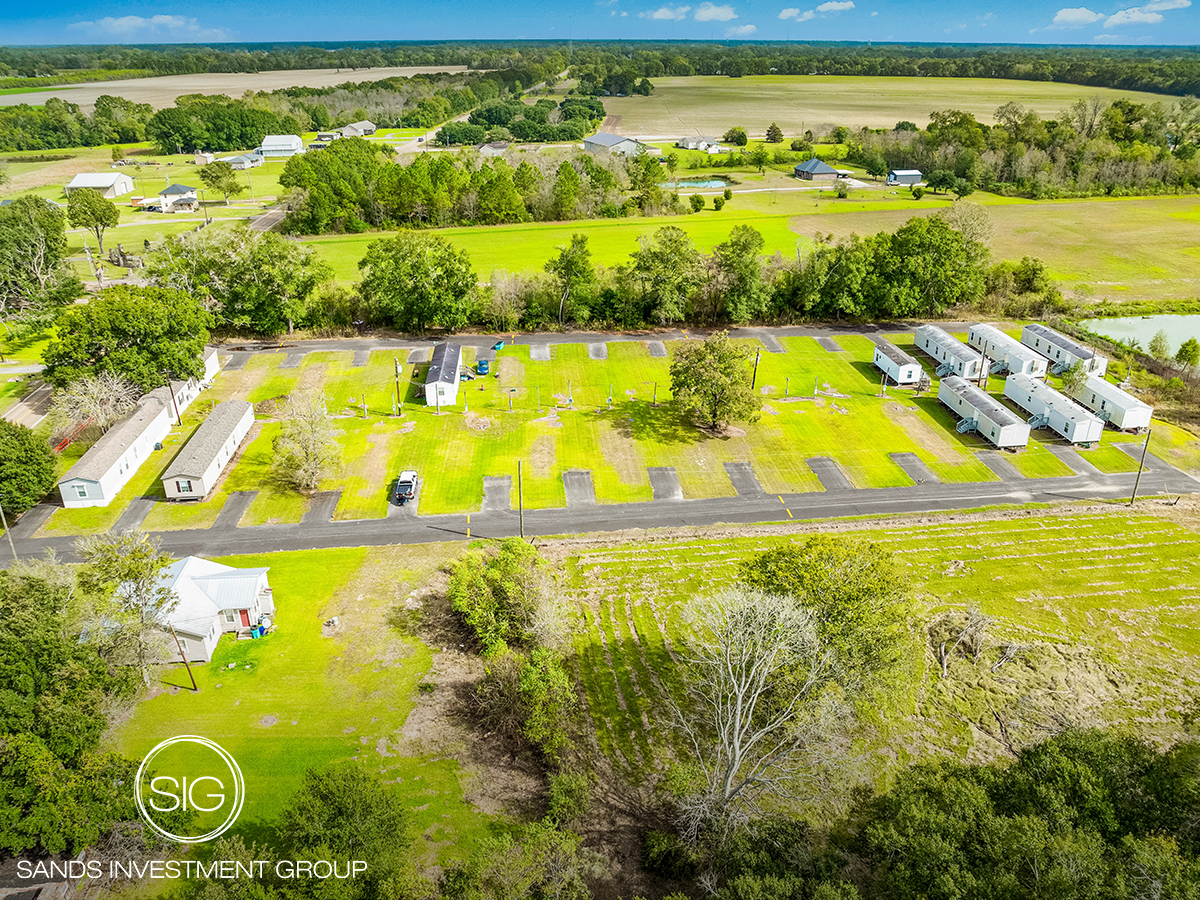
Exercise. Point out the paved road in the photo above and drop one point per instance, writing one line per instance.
(31, 408)
(268, 220)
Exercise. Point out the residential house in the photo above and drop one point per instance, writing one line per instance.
(898, 365)
(1125, 411)
(178, 198)
(1006, 352)
(196, 469)
(358, 129)
(1062, 352)
(1048, 408)
(815, 170)
(952, 355)
(980, 412)
(495, 148)
(214, 599)
(110, 184)
(202, 158)
(709, 145)
(280, 145)
(441, 382)
(245, 161)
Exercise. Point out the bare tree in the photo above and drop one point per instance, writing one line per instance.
(958, 629)
(971, 220)
(764, 714)
(307, 448)
(1084, 115)
(102, 400)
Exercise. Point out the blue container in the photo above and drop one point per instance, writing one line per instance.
(499, 345)
(482, 367)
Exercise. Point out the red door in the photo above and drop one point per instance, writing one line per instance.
(245, 617)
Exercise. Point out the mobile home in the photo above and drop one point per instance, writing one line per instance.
(952, 355)
(1114, 405)
(979, 411)
(195, 471)
(1007, 353)
(1048, 408)
(441, 383)
(1062, 352)
(898, 365)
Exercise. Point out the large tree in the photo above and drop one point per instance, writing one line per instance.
(572, 270)
(739, 282)
(306, 448)
(88, 208)
(145, 334)
(26, 468)
(102, 400)
(667, 267)
(418, 281)
(219, 176)
(35, 277)
(711, 380)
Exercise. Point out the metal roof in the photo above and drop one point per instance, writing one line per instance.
(894, 353)
(282, 140)
(815, 166)
(1050, 397)
(176, 190)
(103, 455)
(204, 588)
(604, 139)
(982, 401)
(200, 452)
(905, 172)
(443, 367)
(1061, 341)
(361, 125)
(96, 179)
(949, 343)
(1012, 347)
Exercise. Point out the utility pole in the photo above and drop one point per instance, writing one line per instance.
(4, 522)
(521, 499)
(754, 377)
(654, 402)
(183, 656)
(396, 364)
(1141, 465)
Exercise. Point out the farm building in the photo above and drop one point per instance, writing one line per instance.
(1050, 409)
(710, 145)
(1006, 353)
(214, 600)
(904, 177)
(602, 141)
(178, 197)
(979, 411)
(1114, 405)
(280, 145)
(1062, 351)
(441, 383)
(815, 170)
(202, 158)
(898, 365)
(358, 129)
(245, 161)
(194, 472)
(495, 148)
(952, 355)
(111, 462)
(110, 184)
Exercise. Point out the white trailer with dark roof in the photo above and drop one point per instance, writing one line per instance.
(1047, 408)
(441, 382)
(980, 412)
(896, 364)
(1006, 352)
(196, 469)
(1062, 352)
(1125, 411)
(952, 355)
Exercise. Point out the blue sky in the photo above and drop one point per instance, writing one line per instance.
(982, 21)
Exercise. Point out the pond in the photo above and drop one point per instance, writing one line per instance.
(715, 182)
(1143, 328)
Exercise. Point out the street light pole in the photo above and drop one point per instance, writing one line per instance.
(1141, 465)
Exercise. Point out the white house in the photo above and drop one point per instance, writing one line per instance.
(358, 129)
(904, 177)
(195, 470)
(494, 148)
(214, 600)
(178, 198)
(441, 382)
(280, 145)
(243, 162)
(1114, 405)
(899, 366)
(979, 411)
(1006, 352)
(110, 184)
(1062, 352)
(709, 145)
(603, 142)
(952, 355)
(1048, 408)
(109, 464)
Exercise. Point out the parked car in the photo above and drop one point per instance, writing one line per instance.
(406, 486)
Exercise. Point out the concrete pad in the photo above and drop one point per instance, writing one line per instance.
(580, 490)
(598, 351)
(830, 345)
(539, 352)
(237, 360)
(361, 358)
(407, 511)
(665, 483)
(656, 348)
(420, 355)
(497, 493)
(293, 360)
(33, 519)
(1134, 450)
(1073, 459)
(745, 482)
(135, 513)
(829, 473)
(914, 467)
(995, 461)
(233, 510)
(772, 343)
(322, 506)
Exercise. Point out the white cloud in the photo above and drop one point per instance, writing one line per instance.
(1076, 17)
(1167, 4)
(741, 31)
(624, 14)
(836, 6)
(670, 13)
(874, 14)
(710, 12)
(794, 13)
(129, 27)
(789, 13)
(1135, 15)
(806, 15)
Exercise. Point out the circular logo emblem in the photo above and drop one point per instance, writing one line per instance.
(196, 781)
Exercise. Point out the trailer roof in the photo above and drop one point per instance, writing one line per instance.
(949, 343)
(894, 353)
(982, 401)
(1061, 341)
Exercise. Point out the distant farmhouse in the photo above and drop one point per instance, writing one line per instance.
(358, 129)
(281, 145)
(213, 600)
(110, 184)
(709, 145)
(442, 380)
(194, 472)
(243, 162)
(495, 148)
(603, 142)
(178, 197)
(815, 170)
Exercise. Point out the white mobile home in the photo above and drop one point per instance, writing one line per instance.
(1008, 354)
(979, 411)
(214, 600)
(1114, 405)
(441, 382)
(1050, 409)
(195, 471)
(952, 355)
(1062, 351)
(898, 365)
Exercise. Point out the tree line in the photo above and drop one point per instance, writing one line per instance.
(507, 120)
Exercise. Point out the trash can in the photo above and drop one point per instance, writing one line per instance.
(482, 367)
(499, 345)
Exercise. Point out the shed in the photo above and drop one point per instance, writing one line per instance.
(494, 148)
(603, 142)
(214, 599)
(358, 129)
(280, 145)
(1048, 408)
(202, 158)
(815, 170)
(899, 366)
(441, 383)
(110, 184)
(952, 355)
(1114, 405)
(195, 471)
(1006, 352)
(1062, 352)
(904, 177)
(327, 136)
(979, 411)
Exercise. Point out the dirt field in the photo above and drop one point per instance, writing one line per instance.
(162, 91)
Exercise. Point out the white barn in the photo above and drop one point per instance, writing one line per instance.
(195, 470)
(358, 129)
(214, 600)
(441, 382)
(952, 355)
(280, 145)
(110, 184)
(1008, 354)
(1048, 408)
(1062, 352)
(1125, 411)
(979, 411)
(898, 365)
(603, 142)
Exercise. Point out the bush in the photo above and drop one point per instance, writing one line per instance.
(918, 192)
(26, 468)
(498, 596)
(718, 203)
(668, 856)
(800, 145)
(841, 189)
(549, 701)
(569, 797)
(697, 202)
(728, 194)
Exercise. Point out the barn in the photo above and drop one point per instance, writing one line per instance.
(1050, 409)
(815, 170)
(904, 177)
(603, 142)
(110, 185)
(952, 355)
(358, 129)
(1125, 411)
(896, 364)
(281, 145)
(980, 412)
(1062, 352)
(1006, 352)
(441, 382)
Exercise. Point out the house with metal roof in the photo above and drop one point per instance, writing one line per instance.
(213, 600)
(243, 162)
(815, 170)
(358, 129)
(1005, 352)
(196, 469)
(178, 197)
(1047, 408)
(1062, 352)
(978, 411)
(280, 145)
(952, 355)
(904, 177)
(898, 365)
(603, 142)
(493, 148)
(1114, 405)
(709, 145)
(442, 380)
(110, 185)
